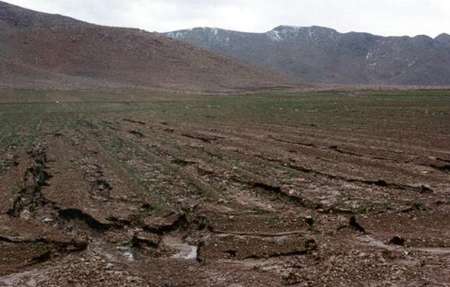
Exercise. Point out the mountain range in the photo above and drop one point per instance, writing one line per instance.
(53, 51)
(322, 55)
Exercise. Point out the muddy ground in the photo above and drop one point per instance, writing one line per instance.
(305, 189)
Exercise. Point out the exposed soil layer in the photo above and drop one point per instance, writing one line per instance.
(265, 190)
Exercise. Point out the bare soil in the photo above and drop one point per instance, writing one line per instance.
(277, 189)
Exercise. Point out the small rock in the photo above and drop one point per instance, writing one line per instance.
(143, 239)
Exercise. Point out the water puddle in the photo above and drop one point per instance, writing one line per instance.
(127, 252)
(184, 250)
(434, 250)
(26, 279)
(370, 241)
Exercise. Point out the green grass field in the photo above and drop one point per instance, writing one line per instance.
(390, 113)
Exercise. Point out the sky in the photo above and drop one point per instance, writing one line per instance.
(382, 17)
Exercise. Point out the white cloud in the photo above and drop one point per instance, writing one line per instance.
(385, 17)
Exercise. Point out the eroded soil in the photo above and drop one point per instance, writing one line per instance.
(261, 190)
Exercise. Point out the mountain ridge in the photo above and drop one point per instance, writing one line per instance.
(323, 55)
(313, 27)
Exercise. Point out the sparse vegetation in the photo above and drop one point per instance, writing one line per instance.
(216, 171)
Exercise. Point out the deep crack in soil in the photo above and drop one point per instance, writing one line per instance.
(30, 196)
(269, 190)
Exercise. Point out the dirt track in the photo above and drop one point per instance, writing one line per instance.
(269, 190)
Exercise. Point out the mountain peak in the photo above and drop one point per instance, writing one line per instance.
(443, 38)
(323, 55)
(207, 31)
(302, 28)
(285, 32)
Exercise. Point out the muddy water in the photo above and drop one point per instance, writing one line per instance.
(434, 250)
(183, 250)
(26, 279)
(369, 240)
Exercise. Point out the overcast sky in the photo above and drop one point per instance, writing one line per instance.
(384, 17)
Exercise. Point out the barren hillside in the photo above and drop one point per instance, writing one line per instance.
(43, 50)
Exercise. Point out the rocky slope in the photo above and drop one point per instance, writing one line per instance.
(43, 50)
(323, 55)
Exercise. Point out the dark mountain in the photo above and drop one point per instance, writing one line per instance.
(43, 50)
(322, 55)
(443, 39)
